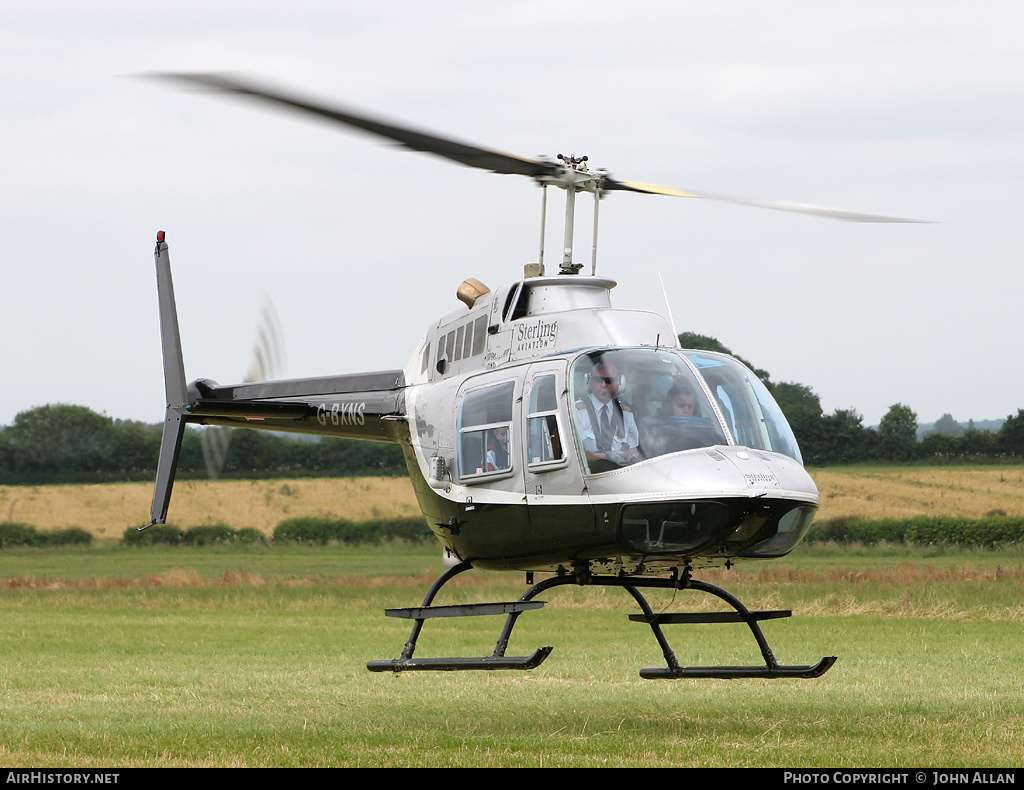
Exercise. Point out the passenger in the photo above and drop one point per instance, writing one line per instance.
(678, 424)
(679, 402)
(607, 426)
(497, 451)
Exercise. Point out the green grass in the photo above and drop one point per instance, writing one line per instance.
(109, 560)
(255, 656)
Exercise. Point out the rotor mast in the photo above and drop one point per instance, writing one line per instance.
(574, 176)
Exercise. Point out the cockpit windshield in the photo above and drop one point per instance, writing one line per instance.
(633, 404)
(754, 418)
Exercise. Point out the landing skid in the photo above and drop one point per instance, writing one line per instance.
(498, 660)
(512, 610)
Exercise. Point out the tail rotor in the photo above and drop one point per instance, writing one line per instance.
(267, 363)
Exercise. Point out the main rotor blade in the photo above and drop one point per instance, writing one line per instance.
(463, 153)
(649, 189)
(482, 158)
(799, 208)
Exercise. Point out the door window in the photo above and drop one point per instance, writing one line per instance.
(485, 431)
(544, 445)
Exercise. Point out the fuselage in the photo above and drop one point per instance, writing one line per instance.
(504, 459)
(544, 429)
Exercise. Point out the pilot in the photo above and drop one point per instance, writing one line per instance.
(607, 426)
(497, 451)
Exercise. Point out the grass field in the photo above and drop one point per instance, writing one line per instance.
(107, 510)
(255, 655)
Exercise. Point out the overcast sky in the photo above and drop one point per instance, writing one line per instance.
(912, 109)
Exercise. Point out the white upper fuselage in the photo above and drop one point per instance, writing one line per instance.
(547, 330)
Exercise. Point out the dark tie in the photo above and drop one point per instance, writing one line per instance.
(606, 424)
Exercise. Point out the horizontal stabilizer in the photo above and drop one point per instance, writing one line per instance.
(249, 410)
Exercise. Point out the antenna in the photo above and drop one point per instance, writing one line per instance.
(668, 307)
(543, 222)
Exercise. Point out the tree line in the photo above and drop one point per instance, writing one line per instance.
(61, 443)
(842, 437)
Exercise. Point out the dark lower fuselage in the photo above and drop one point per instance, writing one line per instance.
(697, 508)
(638, 534)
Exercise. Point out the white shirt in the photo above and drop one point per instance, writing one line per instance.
(588, 432)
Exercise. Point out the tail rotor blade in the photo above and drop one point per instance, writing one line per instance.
(268, 353)
(215, 440)
(266, 364)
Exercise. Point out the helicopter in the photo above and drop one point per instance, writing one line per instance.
(545, 431)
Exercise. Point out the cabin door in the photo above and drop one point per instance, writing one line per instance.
(551, 466)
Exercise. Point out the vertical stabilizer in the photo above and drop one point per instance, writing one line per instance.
(170, 339)
(174, 385)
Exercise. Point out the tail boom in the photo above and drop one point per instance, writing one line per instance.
(357, 406)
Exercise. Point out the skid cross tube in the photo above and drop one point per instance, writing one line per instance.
(673, 669)
(439, 582)
(497, 660)
(771, 668)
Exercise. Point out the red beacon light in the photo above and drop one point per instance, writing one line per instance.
(159, 236)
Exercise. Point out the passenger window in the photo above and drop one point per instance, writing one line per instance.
(485, 431)
(479, 335)
(543, 438)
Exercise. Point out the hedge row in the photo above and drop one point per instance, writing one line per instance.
(294, 530)
(987, 531)
(15, 534)
(206, 535)
(340, 530)
(922, 530)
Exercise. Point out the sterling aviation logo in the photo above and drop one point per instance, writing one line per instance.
(538, 336)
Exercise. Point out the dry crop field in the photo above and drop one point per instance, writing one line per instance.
(107, 510)
(894, 492)
(870, 492)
